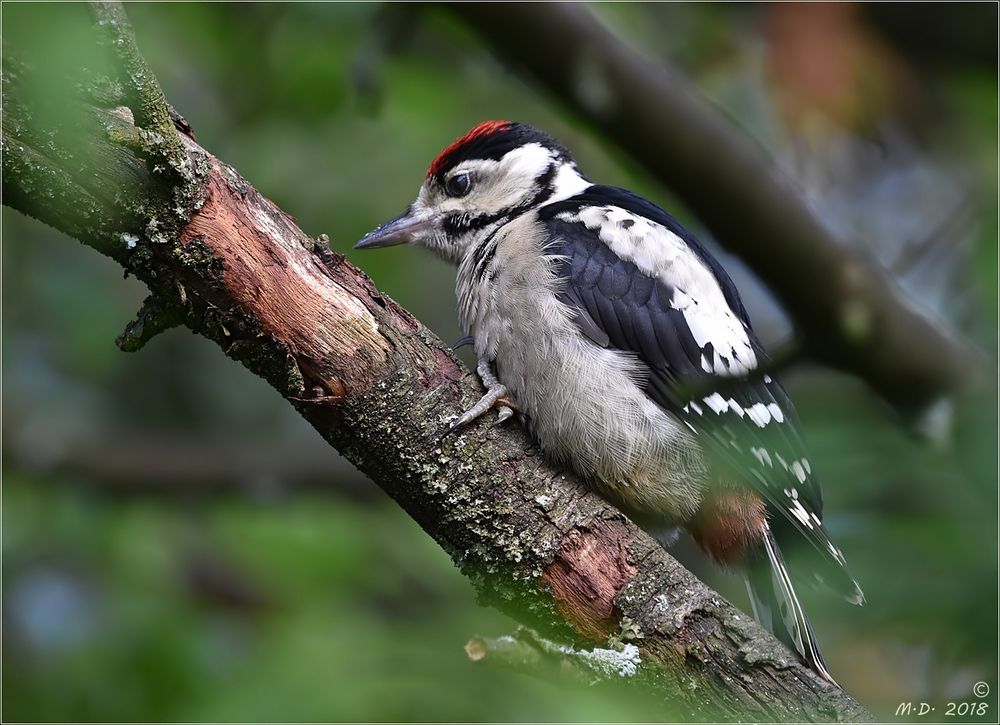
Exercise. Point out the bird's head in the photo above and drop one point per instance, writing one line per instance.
(495, 172)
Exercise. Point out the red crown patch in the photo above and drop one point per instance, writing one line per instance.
(486, 128)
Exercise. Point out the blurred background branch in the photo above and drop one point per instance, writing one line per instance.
(847, 309)
(170, 465)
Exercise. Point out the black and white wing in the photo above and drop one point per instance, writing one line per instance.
(637, 281)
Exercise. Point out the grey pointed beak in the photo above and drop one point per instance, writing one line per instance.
(407, 228)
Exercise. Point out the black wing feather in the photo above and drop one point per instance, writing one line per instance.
(600, 195)
(617, 305)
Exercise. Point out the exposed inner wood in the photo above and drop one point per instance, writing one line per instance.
(587, 574)
(271, 270)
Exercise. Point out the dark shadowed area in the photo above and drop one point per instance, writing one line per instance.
(179, 545)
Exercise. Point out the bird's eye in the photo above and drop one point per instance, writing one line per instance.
(458, 185)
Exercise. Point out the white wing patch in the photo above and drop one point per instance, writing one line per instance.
(726, 350)
(658, 252)
(763, 456)
(799, 512)
(759, 414)
(799, 471)
(717, 403)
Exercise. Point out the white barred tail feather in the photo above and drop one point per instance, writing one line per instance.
(776, 606)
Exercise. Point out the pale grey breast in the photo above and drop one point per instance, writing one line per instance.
(585, 403)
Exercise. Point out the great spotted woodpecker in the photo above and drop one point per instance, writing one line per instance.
(626, 346)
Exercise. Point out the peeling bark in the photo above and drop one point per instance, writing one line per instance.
(587, 573)
(381, 388)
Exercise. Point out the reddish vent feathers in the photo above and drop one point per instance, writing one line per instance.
(728, 524)
(486, 128)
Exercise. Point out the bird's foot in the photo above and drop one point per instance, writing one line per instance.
(496, 397)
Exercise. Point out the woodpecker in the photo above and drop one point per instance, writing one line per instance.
(627, 350)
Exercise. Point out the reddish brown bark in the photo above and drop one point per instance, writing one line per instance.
(270, 267)
(589, 571)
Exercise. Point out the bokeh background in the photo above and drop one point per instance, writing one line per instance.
(179, 545)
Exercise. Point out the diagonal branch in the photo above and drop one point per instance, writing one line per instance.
(849, 312)
(381, 388)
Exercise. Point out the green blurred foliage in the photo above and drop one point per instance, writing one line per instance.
(278, 605)
(314, 609)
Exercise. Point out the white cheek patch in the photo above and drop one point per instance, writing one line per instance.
(567, 183)
(502, 184)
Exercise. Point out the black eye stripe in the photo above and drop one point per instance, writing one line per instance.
(458, 185)
(465, 222)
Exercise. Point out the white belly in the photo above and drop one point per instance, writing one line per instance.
(584, 402)
(588, 412)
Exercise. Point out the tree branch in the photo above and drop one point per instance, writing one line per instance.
(129, 463)
(381, 388)
(851, 314)
(525, 651)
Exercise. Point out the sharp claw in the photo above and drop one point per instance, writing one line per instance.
(452, 429)
(460, 422)
(462, 342)
(495, 398)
